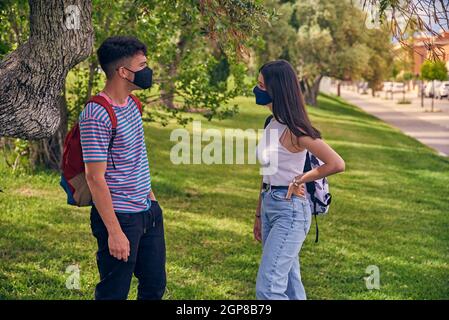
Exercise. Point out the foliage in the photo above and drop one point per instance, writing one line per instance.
(326, 38)
(428, 16)
(434, 70)
(379, 66)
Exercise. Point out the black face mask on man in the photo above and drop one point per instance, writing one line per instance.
(142, 78)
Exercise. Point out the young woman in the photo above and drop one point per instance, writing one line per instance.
(283, 214)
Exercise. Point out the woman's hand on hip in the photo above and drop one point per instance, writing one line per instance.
(297, 189)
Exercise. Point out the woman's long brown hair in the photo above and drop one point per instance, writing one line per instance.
(283, 87)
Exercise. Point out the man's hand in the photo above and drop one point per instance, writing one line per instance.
(257, 230)
(118, 245)
(151, 195)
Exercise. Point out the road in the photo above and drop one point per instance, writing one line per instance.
(430, 128)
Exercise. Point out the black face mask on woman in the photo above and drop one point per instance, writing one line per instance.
(262, 96)
(142, 78)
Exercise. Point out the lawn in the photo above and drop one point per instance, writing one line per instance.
(390, 209)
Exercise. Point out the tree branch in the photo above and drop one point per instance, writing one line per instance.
(33, 75)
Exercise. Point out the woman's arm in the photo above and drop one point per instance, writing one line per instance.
(333, 163)
(260, 199)
(257, 226)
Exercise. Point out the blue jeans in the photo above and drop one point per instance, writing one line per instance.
(285, 224)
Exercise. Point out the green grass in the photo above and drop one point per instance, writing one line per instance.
(390, 209)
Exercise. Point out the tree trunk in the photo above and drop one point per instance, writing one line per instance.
(433, 93)
(168, 89)
(47, 153)
(312, 90)
(338, 88)
(61, 36)
(91, 81)
(422, 93)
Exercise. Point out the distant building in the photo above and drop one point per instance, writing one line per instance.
(422, 46)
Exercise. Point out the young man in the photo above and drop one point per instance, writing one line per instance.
(126, 218)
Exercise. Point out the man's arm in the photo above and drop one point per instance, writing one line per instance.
(95, 135)
(117, 241)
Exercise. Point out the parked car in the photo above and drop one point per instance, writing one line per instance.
(443, 91)
(392, 87)
(398, 87)
(431, 88)
(387, 86)
(363, 87)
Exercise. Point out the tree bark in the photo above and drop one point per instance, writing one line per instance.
(47, 153)
(168, 90)
(61, 36)
(312, 90)
(90, 83)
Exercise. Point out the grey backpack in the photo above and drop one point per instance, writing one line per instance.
(317, 190)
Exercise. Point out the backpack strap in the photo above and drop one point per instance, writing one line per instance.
(137, 102)
(307, 167)
(311, 190)
(267, 120)
(102, 101)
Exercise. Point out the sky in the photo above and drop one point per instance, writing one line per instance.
(425, 9)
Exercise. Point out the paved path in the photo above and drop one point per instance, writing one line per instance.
(430, 128)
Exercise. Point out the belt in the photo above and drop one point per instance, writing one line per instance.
(267, 186)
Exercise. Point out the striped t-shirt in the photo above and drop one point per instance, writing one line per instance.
(129, 183)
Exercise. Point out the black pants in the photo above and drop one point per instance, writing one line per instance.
(145, 232)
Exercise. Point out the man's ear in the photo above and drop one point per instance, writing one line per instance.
(122, 72)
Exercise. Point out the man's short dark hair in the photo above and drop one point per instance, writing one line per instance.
(116, 48)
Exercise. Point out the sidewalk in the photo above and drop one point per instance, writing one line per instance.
(430, 128)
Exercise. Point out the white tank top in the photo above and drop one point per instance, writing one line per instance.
(279, 165)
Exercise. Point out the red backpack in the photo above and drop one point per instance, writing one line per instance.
(73, 178)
